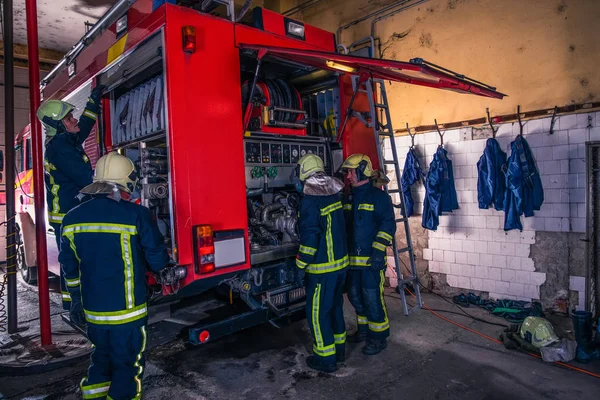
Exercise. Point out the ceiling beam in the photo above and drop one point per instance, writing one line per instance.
(48, 58)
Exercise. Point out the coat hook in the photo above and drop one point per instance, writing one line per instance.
(553, 120)
(439, 133)
(520, 123)
(412, 136)
(494, 130)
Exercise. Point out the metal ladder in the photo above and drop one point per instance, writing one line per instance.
(385, 131)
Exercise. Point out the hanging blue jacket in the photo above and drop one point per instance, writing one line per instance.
(68, 169)
(411, 174)
(491, 182)
(440, 192)
(323, 243)
(371, 223)
(107, 247)
(524, 193)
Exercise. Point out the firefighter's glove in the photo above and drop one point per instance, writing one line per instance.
(300, 275)
(76, 311)
(377, 261)
(97, 94)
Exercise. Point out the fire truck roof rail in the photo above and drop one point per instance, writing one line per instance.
(111, 16)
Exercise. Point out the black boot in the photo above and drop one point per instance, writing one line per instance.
(340, 357)
(357, 337)
(582, 324)
(374, 346)
(315, 363)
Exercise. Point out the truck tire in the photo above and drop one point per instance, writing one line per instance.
(29, 274)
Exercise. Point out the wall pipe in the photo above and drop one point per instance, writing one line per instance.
(9, 148)
(338, 33)
(390, 14)
(301, 7)
(38, 172)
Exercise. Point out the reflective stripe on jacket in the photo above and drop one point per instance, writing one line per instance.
(440, 193)
(411, 174)
(491, 182)
(107, 247)
(371, 223)
(323, 246)
(524, 193)
(68, 169)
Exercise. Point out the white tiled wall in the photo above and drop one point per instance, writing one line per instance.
(470, 245)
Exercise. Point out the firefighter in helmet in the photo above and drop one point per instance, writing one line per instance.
(323, 257)
(371, 227)
(67, 166)
(108, 243)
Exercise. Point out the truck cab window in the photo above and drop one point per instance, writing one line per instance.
(29, 158)
(19, 157)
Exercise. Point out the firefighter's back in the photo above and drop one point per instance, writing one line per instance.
(115, 242)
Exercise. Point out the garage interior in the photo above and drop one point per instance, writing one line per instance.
(543, 54)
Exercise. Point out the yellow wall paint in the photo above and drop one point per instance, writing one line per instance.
(540, 52)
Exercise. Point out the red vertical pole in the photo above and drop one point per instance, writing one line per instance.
(38, 171)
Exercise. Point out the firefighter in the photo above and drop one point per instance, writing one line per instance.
(107, 245)
(68, 168)
(371, 223)
(323, 256)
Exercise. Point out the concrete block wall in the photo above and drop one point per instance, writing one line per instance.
(470, 246)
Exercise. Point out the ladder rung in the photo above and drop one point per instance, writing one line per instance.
(384, 106)
(389, 162)
(403, 250)
(401, 220)
(363, 90)
(397, 205)
(410, 279)
(384, 133)
(394, 191)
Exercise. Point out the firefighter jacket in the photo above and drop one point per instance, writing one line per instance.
(491, 182)
(371, 223)
(411, 174)
(107, 247)
(524, 191)
(323, 246)
(68, 169)
(440, 193)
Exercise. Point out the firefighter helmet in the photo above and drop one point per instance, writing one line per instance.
(538, 331)
(361, 163)
(308, 165)
(51, 113)
(117, 169)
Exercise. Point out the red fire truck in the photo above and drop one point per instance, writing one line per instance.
(215, 112)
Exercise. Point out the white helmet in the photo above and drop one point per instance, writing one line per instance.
(115, 169)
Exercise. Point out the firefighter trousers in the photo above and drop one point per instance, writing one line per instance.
(364, 287)
(66, 297)
(117, 363)
(325, 314)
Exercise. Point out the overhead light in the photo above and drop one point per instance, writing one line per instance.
(71, 69)
(340, 67)
(294, 29)
(121, 25)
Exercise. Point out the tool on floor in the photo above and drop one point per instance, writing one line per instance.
(382, 127)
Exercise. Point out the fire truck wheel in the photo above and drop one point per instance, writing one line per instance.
(29, 274)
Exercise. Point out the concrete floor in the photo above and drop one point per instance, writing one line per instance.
(427, 358)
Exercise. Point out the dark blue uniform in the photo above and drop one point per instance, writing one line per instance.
(68, 170)
(411, 174)
(524, 193)
(491, 184)
(440, 192)
(372, 226)
(323, 255)
(107, 247)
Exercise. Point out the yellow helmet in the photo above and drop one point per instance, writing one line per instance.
(118, 169)
(361, 162)
(52, 112)
(538, 331)
(309, 165)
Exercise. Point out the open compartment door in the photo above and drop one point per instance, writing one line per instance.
(415, 72)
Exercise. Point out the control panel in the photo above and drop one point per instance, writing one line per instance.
(270, 161)
(259, 152)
